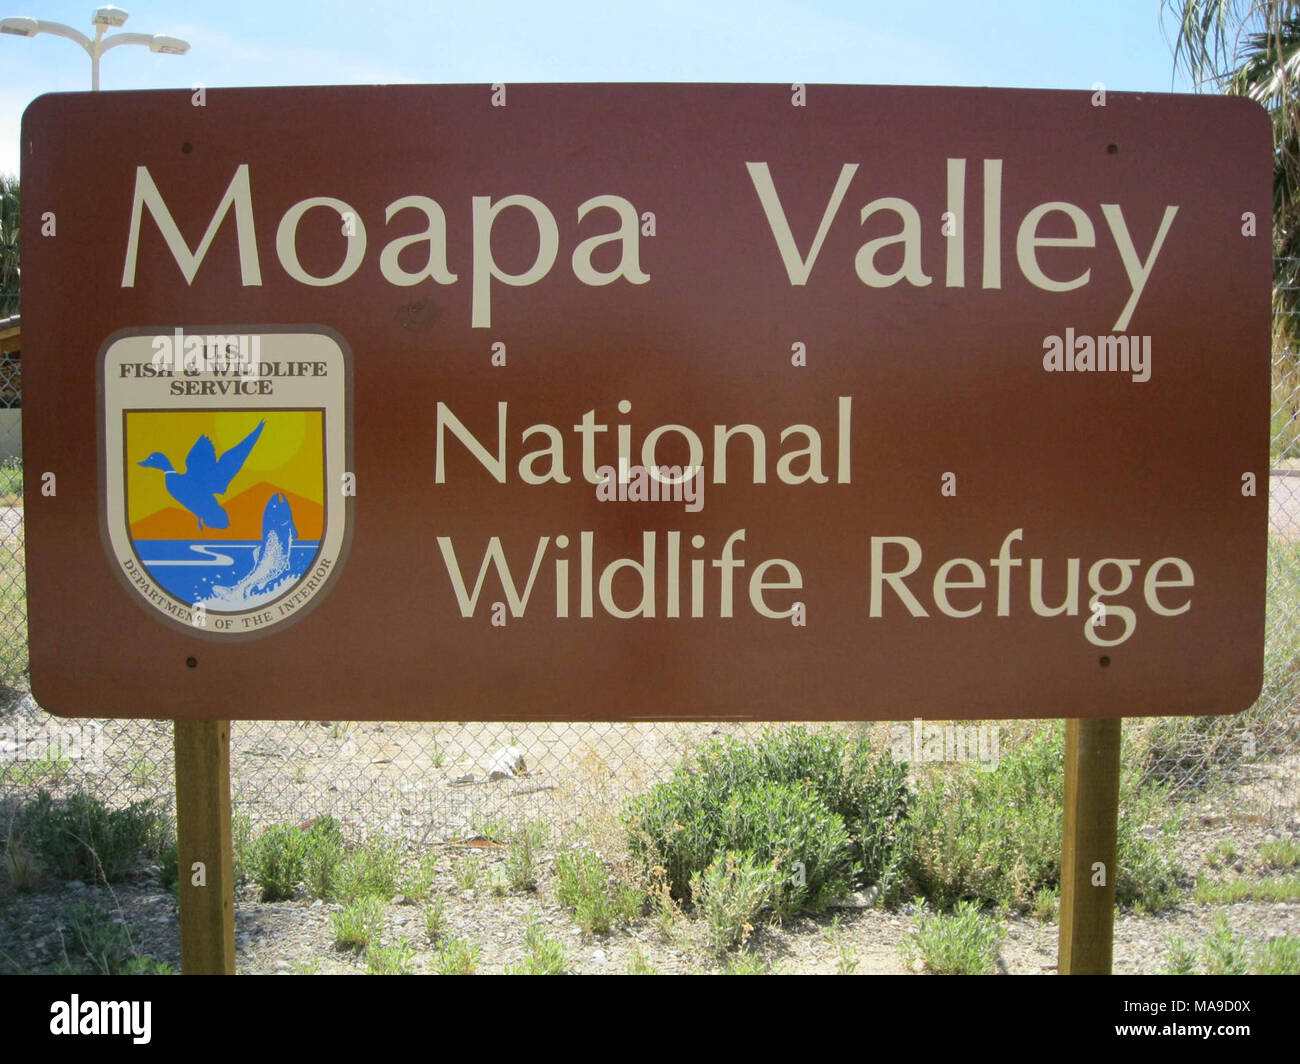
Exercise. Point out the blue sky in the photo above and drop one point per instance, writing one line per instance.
(1015, 43)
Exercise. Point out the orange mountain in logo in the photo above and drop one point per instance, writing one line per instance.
(245, 511)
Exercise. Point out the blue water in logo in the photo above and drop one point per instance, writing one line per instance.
(191, 569)
(232, 575)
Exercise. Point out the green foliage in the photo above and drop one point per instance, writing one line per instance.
(584, 887)
(963, 942)
(390, 960)
(323, 857)
(358, 923)
(277, 861)
(169, 866)
(521, 859)
(729, 895)
(1245, 888)
(95, 941)
(747, 964)
(435, 920)
(638, 965)
(1047, 904)
(241, 842)
(456, 957)
(545, 956)
(818, 808)
(1223, 953)
(1280, 956)
(80, 838)
(466, 872)
(995, 836)
(1281, 856)
(373, 868)
(417, 882)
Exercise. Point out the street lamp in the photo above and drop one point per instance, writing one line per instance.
(104, 18)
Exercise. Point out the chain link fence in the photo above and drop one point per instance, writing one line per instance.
(426, 781)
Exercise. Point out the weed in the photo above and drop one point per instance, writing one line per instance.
(1223, 953)
(963, 942)
(307, 967)
(1221, 853)
(848, 961)
(371, 869)
(497, 881)
(96, 941)
(323, 858)
(435, 920)
(277, 861)
(417, 883)
(747, 964)
(466, 872)
(358, 923)
(456, 957)
(995, 837)
(241, 836)
(169, 867)
(638, 965)
(521, 860)
(1047, 904)
(730, 894)
(390, 960)
(80, 838)
(1281, 856)
(1243, 888)
(545, 956)
(1280, 956)
(584, 887)
(490, 828)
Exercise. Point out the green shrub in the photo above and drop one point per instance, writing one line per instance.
(521, 859)
(456, 957)
(545, 956)
(241, 840)
(820, 807)
(80, 838)
(1282, 855)
(358, 923)
(323, 856)
(277, 861)
(730, 894)
(435, 920)
(963, 942)
(374, 868)
(1280, 956)
(390, 960)
(417, 882)
(169, 866)
(96, 941)
(583, 886)
(995, 836)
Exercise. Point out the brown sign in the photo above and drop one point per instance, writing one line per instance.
(621, 402)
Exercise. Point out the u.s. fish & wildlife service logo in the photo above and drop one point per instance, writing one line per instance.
(225, 472)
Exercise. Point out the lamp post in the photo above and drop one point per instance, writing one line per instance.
(104, 18)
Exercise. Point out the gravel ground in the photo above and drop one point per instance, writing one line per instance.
(295, 936)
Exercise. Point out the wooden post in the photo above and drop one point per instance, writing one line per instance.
(207, 893)
(1088, 846)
